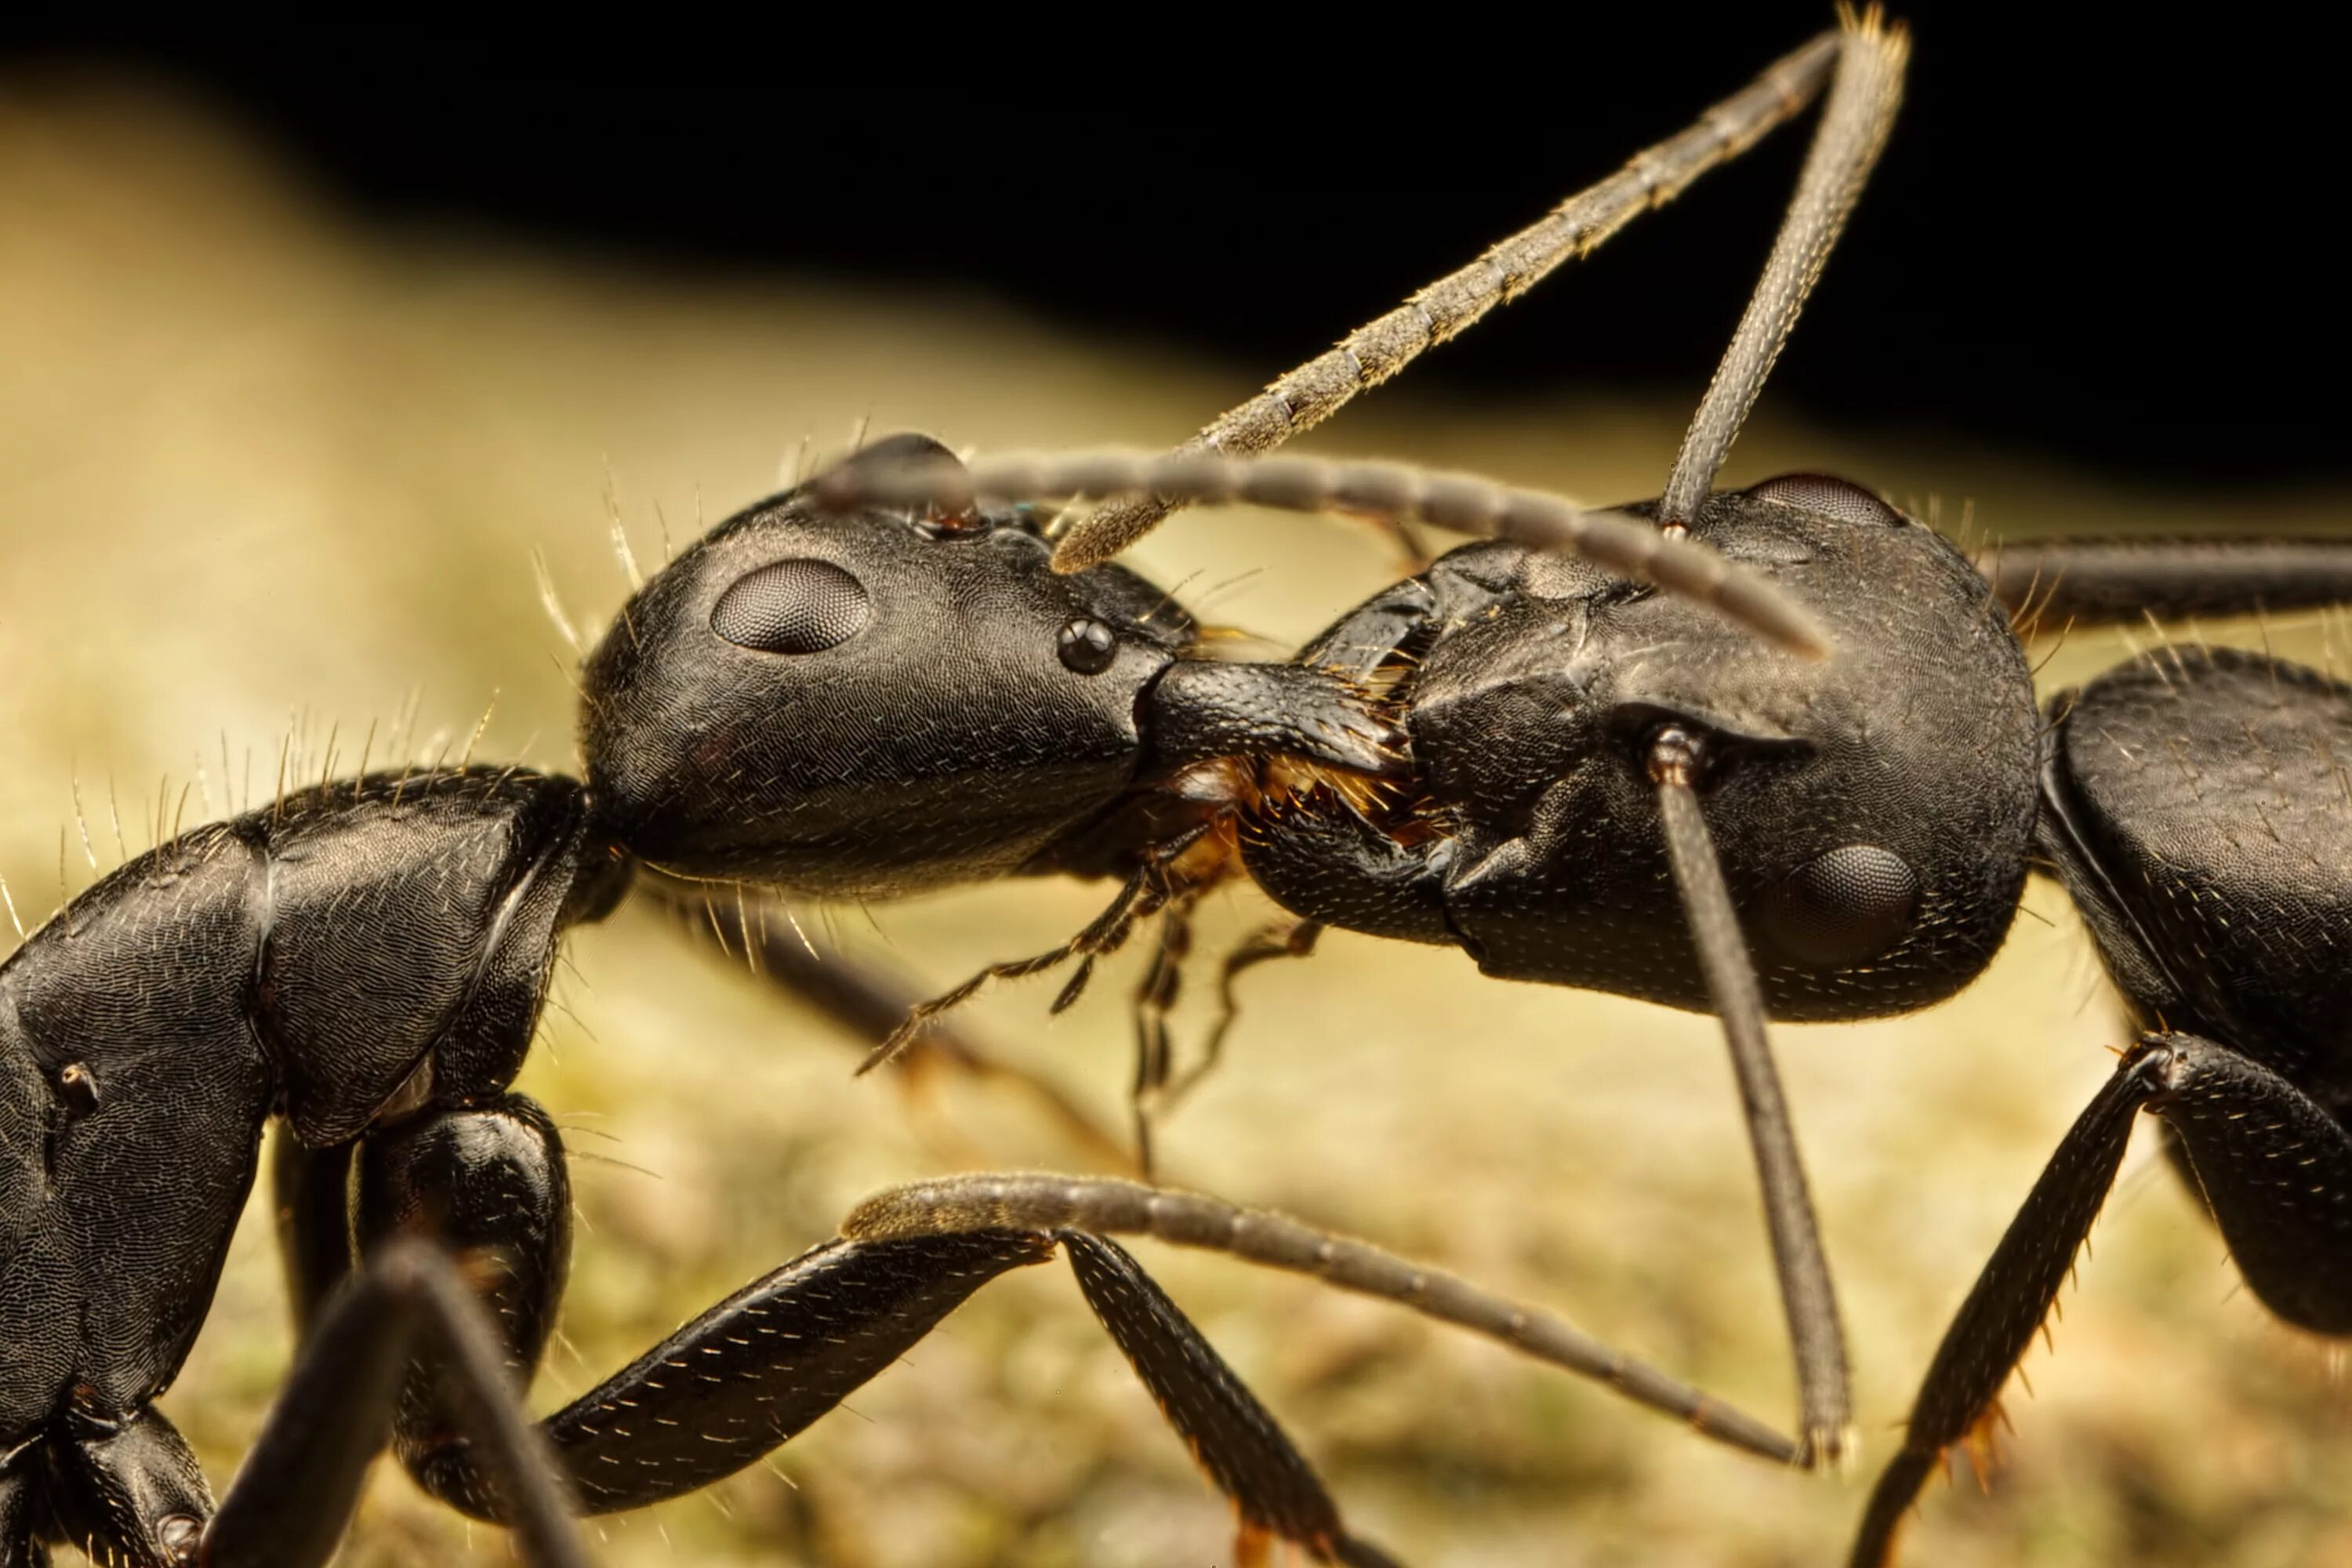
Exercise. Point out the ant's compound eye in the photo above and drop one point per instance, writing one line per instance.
(1843, 906)
(792, 606)
(1830, 496)
(1086, 645)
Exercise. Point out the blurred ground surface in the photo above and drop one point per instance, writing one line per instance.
(260, 469)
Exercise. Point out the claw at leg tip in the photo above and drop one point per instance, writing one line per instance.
(1837, 1449)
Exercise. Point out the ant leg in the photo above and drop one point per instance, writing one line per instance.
(20, 1498)
(313, 1192)
(1248, 1456)
(20, 1508)
(293, 1498)
(2012, 1295)
(1101, 1206)
(127, 1490)
(758, 1367)
(1137, 898)
(751, 1372)
(487, 1186)
(120, 1485)
(2274, 1166)
(2106, 582)
(867, 1002)
(1154, 998)
(1296, 939)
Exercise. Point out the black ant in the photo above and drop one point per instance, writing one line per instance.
(366, 961)
(1539, 757)
(1616, 790)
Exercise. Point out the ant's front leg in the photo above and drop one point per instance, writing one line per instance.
(2273, 1164)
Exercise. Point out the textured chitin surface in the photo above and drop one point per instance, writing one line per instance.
(757, 754)
(1915, 739)
(1871, 811)
(256, 457)
(2214, 790)
(308, 956)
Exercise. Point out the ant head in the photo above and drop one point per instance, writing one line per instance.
(867, 702)
(1870, 812)
(1875, 827)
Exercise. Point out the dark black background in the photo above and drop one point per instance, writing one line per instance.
(2105, 238)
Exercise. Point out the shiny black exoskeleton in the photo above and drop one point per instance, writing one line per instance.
(860, 707)
(875, 704)
(1871, 812)
(868, 704)
(2194, 802)
(1875, 818)
(345, 953)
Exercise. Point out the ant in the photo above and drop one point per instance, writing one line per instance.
(366, 962)
(1614, 790)
(1331, 780)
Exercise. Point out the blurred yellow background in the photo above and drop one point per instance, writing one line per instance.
(264, 470)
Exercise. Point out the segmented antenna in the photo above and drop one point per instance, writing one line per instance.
(1371, 354)
(1098, 1205)
(1863, 99)
(1463, 503)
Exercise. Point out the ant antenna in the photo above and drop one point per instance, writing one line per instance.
(1861, 112)
(1463, 503)
(1373, 353)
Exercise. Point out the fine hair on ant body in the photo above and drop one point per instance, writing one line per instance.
(364, 962)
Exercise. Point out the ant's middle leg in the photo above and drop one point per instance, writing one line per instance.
(352, 1384)
(485, 1186)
